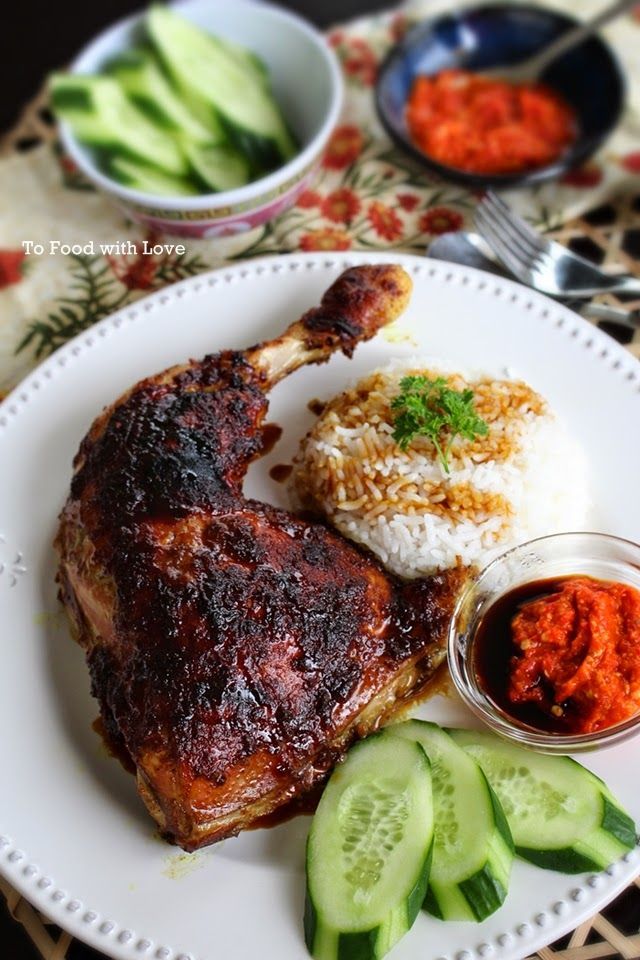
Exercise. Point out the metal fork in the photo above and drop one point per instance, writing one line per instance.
(540, 263)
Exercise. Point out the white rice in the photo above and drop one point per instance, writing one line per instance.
(527, 478)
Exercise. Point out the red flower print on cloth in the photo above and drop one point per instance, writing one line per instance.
(385, 221)
(631, 161)
(359, 62)
(67, 164)
(11, 267)
(341, 205)
(408, 201)
(309, 199)
(344, 146)
(328, 239)
(440, 220)
(72, 176)
(589, 175)
(635, 13)
(136, 272)
(335, 38)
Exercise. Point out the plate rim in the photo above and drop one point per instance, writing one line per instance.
(116, 940)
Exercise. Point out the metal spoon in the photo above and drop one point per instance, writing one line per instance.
(532, 68)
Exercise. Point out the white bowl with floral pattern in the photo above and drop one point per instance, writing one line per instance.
(306, 81)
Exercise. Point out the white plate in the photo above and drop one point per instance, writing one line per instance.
(74, 837)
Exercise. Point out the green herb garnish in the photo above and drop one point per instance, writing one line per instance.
(429, 408)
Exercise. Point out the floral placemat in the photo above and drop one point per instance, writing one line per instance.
(368, 196)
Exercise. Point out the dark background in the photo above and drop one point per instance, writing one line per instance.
(37, 36)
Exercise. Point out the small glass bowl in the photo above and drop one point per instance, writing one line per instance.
(565, 554)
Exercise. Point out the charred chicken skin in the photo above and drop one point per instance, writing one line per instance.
(235, 649)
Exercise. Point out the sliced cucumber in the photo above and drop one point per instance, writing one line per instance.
(261, 152)
(218, 167)
(149, 179)
(246, 58)
(140, 75)
(562, 816)
(101, 116)
(473, 848)
(213, 78)
(369, 851)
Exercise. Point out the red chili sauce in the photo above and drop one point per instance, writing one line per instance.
(473, 123)
(563, 655)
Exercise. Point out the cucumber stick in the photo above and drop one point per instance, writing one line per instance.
(369, 850)
(473, 848)
(140, 75)
(212, 76)
(218, 167)
(246, 58)
(101, 116)
(140, 176)
(561, 815)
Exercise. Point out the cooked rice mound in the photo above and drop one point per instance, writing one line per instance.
(525, 479)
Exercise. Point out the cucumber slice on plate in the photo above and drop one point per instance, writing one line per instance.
(149, 179)
(101, 116)
(140, 75)
(212, 77)
(218, 167)
(369, 850)
(473, 848)
(561, 815)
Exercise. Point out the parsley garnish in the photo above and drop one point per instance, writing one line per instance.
(430, 408)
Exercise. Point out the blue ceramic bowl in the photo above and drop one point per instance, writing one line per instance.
(500, 34)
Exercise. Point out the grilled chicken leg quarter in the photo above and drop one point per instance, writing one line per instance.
(235, 649)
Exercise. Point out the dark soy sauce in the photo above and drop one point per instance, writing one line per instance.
(281, 472)
(271, 433)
